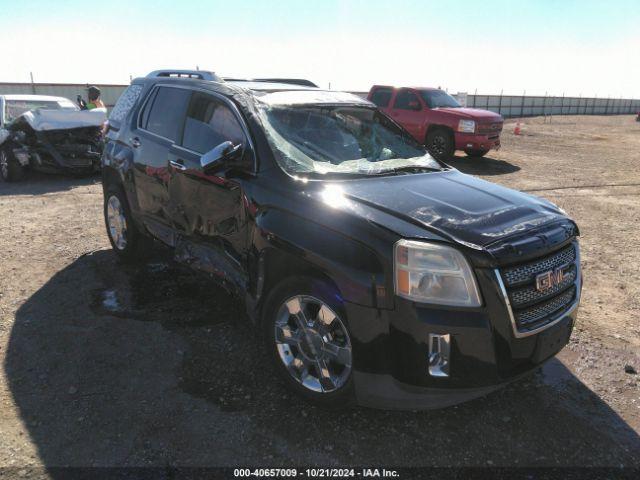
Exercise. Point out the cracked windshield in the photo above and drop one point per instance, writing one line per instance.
(341, 140)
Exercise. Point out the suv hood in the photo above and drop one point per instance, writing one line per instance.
(45, 120)
(460, 207)
(482, 116)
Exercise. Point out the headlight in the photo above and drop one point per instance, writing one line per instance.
(467, 126)
(432, 273)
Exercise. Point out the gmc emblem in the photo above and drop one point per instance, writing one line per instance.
(546, 280)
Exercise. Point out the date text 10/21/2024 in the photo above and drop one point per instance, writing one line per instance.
(316, 473)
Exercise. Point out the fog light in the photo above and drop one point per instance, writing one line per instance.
(439, 351)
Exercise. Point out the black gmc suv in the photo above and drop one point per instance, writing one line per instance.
(373, 272)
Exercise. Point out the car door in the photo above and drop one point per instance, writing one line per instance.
(159, 126)
(207, 208)
(407, 110)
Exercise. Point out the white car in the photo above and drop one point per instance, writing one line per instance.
(49, 134)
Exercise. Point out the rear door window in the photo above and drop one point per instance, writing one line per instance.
(210, 122)
(381, 96)
(164, 113)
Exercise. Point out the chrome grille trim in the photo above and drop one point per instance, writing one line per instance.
(522, 297)
(555, 316)
(524, 273)
(540, 311)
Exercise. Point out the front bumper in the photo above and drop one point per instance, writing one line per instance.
(391, 350)
(470, 141)
(69, 159)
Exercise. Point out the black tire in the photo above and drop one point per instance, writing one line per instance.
(10, 168)
(476, 153)
(136, 245)
(440, 144)
(308, 287)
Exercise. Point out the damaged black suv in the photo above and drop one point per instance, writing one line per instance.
(373, 272)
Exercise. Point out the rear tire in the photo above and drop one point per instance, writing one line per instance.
(476, 153)
(440, 144)
(307, 338)
(10, 168)
(127, 241)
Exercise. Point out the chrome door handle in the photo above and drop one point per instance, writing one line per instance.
(177, 165)
(135, 142)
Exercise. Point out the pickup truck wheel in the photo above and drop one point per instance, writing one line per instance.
(476, 153)
(10, 168)
(126, 240)
(440, 144)
(308, 340)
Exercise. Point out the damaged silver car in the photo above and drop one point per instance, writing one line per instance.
(48, 134)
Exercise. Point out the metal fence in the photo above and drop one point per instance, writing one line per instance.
(110, 93)
(510, 106)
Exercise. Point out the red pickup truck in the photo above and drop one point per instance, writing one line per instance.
(438, 121)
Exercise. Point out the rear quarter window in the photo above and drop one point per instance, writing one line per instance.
(124, 104)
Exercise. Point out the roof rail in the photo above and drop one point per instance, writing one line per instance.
(290, 81)
(198, 74)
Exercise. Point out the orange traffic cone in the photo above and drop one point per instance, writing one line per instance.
(516, 131)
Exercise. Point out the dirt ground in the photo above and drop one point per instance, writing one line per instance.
(101, 369)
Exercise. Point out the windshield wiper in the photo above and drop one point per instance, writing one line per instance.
(409, 169)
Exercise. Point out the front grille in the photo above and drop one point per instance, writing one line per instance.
(534, 317)
(523, 297)
(533, 308)
(526, 273)
(490, 127)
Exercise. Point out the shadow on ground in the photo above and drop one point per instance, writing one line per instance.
(114, 365)
(36, 183)
(482, 165)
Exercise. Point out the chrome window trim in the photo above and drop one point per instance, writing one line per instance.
(234, 109)
(142, 109)
(560, 316)
(180, 147)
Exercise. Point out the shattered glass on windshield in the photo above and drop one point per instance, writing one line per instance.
(340, 139)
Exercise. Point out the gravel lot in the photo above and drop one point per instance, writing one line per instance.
(106, 365)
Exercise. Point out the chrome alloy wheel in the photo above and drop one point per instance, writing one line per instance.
(313, 343)
(117, 222)
(4, 164)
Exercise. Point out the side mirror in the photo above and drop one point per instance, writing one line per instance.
(415, 106)
(215, 158)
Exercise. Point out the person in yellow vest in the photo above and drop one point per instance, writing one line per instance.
(93, 93)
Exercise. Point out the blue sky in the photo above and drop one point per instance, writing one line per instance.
(572, 47)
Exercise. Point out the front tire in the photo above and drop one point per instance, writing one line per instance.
(476, 153)
(307, 338)
(10, 168)
(440, 144)
(125, 238)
